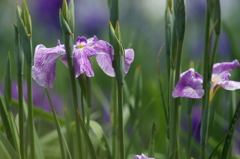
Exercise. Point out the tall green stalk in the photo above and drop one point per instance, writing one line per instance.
(25, 33)
(30, 110)
(19, 65)
(66, 16)
(120, 121)
(206, 87)
(114, 117)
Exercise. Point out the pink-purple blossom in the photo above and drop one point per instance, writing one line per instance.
(189, 85)
(142, 156)
(220, 77)
(43, 71)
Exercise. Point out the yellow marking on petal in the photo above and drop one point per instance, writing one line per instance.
(215, 79)
(80, 46)
(89, 44)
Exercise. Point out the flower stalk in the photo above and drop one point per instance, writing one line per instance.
(25, 32)
(19, 66)
(66, 17)
(119, 67)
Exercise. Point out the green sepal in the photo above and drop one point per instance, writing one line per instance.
(8, 82)
(216, 16)
(67, 34)
(181, 20)
(169, 5)
(64, 25)
(119, 55)
(65, 10)
(26, 18)
(18, 52)
(25, 38)
(71, 21)
(118, 32)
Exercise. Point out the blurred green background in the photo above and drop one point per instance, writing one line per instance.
(142, 26)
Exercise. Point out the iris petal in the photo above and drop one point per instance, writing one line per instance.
(189, 85)
(43, 71)
(230, 85)
(105, 57)
(129, 56)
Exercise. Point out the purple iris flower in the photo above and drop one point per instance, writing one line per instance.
(221, 76)
(189, 85)
(43, 71)
(142, 156)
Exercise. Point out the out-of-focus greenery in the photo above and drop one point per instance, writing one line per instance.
(142, 28)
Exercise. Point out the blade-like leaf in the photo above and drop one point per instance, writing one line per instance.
(230, 135)
(8, 146)
(91, 148)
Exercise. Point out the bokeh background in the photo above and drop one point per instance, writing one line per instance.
(142, 27)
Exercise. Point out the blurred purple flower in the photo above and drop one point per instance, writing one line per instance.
(196, 8)
(43, 71)
(224, 48)
(47, 12)
(93, 16)
(91, 19)
(38, 95)
(196, 116)
(142, 156)
(189, 85)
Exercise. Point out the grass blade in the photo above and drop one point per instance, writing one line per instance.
(6, 123)
(91, 149)
(230, 133)
(61, 138)
(7, 145)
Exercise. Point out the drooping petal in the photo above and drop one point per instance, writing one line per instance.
(218, 68)
(129, 56)
(198, 76)
(104, 57)
(230, 85)
(81, 61)
(142, 156)
(189, 86)
(43, 70)
(220, 75)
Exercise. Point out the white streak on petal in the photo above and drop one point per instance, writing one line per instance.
(129, 57)
(105, 57)
(43, 70)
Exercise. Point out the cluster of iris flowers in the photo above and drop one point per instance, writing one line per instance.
(43, 71)
(190, 83)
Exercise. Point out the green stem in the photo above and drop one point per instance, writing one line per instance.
(114, 121)
(206, 87)
(83, 109)
(21, 115)
(60, 137)
(214, 49)
(120, 121)
(30, 110)
(75, 101)
(89, 101)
